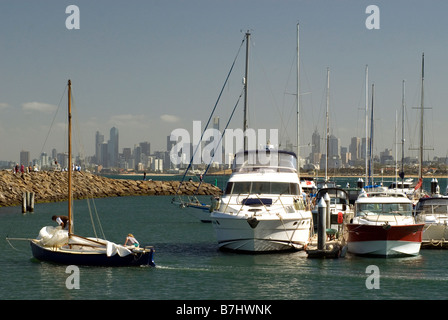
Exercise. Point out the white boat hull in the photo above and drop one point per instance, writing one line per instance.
(384, 248)
(265, 234)
(384, 240)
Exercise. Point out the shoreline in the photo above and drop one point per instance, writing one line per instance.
(52, 186)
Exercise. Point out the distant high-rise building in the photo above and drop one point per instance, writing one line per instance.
(145, 148)
(25, 158)
(355, 148)
(364, 149)
(127, 154)
(112, 147)
(315, 141)
(334, 147)
(99, 140)
(169, 143)
(104, 160)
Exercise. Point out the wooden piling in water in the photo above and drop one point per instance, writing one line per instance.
(27, 202)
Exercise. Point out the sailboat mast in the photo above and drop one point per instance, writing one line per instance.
(420, 174)
(371, 140)
(69, 171)
(367, 123)
(246, 80)
(327, 138)
(402, 133)
(298, 103)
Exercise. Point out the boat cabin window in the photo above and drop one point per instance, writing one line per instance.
(262, 187)
(404, 209)
(432, 208)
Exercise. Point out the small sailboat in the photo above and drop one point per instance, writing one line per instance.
(57, 245)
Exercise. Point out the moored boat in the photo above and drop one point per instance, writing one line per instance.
(384, 226)
(60, 245)
(263, 207)
(433, 212)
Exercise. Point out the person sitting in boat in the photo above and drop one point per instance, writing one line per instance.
(61, 220)
(130, 240)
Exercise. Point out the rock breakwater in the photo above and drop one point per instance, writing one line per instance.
(51, 186)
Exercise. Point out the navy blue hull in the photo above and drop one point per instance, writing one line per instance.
(92, 259)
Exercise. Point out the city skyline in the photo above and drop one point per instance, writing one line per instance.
(109, 154)
(150, 67)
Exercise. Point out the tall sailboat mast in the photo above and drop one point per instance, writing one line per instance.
(402, 133)
(371, 140)
(298, 102)
(420, 173)
(246, 80)
(69, 171)
(367, 124)
(327, 135)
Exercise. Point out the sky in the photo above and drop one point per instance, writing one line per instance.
(149, 67)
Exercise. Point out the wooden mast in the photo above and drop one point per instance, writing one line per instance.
(70, 208)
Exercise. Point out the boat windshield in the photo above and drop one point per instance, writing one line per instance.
(255, 160)
(432, 208)
(262, 187)
(404, 209)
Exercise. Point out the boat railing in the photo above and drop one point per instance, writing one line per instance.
(258, 203)
(261, 168)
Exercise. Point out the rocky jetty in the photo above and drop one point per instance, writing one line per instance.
(51, 186)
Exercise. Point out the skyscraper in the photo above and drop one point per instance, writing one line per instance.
(112, 147)
(355, 148)
(315, 141)
(99, 140)
(25, 158)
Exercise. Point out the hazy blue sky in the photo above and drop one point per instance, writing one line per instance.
(148, 67)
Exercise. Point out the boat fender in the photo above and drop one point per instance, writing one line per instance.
(340, 218)
(214, 204)
(298, 204)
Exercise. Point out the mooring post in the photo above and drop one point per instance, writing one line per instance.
(321, 224)
(27, 201)
(31, 204)
(24, 202)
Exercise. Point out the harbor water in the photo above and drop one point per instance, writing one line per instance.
(190, 266)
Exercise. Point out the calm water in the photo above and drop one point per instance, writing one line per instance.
(190, 267)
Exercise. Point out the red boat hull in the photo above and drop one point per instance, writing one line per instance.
(384, 240)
